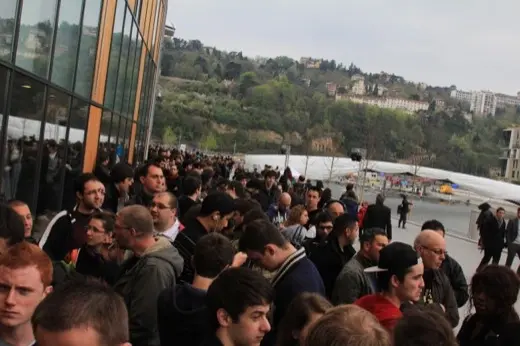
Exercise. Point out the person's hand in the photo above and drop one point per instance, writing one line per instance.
(239, 260)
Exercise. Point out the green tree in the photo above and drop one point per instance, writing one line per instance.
(209, 142)
(169, 137)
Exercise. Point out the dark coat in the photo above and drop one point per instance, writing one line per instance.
(379, 216)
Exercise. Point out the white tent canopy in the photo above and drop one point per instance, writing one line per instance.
(319, 168)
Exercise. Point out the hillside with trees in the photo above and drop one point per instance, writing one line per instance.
(226, 101)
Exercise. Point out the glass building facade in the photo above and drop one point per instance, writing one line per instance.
(76, 77)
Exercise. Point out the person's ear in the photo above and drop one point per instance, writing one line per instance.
(270, 250)
(223, 318)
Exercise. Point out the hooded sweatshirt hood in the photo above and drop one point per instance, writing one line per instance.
(384, 310)
(185, 309)
(164, 250)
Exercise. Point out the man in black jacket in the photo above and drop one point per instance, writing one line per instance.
(182, 311)
(451, 267)
(67, 231)
(513, 239)
(378, 215)
(492, 234)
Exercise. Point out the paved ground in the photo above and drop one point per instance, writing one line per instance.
(465, 252)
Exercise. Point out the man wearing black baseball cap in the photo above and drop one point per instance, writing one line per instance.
(399, 279)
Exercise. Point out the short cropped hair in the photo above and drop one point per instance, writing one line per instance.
(235, 290)
(213, 253)
(137, 217)
(25, 254)
(260, 233)
(425, 327)
(79, 183)
(11, 225)
(347, 325)
(434, 225)
(172, 200)
(84, 302)
(108, 218)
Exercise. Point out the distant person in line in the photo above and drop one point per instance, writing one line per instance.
(403, 209)
(378, 215)
(492, 234)
(513, 239)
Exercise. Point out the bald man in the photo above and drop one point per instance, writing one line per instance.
(335, 209)
(278, 212)
(431, 246)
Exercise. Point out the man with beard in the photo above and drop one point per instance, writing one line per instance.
(216, 211)
(279, 212)
(67, 231)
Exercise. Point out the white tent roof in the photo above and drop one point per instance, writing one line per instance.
(319, 168)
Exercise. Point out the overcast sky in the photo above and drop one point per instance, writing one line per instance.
(474, 44)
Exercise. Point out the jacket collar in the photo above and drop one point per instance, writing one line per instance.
(290, 262)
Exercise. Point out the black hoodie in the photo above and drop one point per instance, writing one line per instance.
(182, 316)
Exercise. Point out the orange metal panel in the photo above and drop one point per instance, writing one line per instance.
(158, 37)
(98, 86)
(103, 50)
(144, 13)
(151, 20)
(94, 125)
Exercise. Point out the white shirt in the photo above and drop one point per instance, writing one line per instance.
(171, 233)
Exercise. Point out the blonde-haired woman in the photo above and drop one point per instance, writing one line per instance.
(295, 230)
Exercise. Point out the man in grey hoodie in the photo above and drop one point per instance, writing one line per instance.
(153, 266)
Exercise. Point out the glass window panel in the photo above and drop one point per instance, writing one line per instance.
(127, 89)
(53, 157)
(77, 123)
(114, 129)
(132, 70)
(123, 63)
(35, 38)
(5, 182)
(7, 26)
(23, 131)
(104, 132)
(66, 47)
(88, 48)
(115, 54)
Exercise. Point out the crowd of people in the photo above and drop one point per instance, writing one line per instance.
(189, 249)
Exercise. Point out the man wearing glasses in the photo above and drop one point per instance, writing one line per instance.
(164, 214)
(431, 246)
(67, 231)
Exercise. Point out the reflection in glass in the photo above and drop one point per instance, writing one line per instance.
(66, 47)
(53, 157)
(115, 55)
(130, 67)
(87, 49)
(5, 182)
(7, 26)
(114, 129)
(125, 60)
(35, 38)
(104, 132)
(75, 149)
(23, 131)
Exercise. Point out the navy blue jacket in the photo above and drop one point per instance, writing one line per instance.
(297, 275)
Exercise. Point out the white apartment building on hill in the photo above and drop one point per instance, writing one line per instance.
(510, 158)
(409, 106)
(485, 102)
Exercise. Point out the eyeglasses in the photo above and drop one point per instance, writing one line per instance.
(94, 229)
(438, 252)
(159, 206)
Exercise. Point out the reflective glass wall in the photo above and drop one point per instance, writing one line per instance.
(76, 78)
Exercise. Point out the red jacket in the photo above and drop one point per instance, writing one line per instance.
(384, 310)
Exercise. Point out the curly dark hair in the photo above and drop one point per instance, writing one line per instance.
(501, 285)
